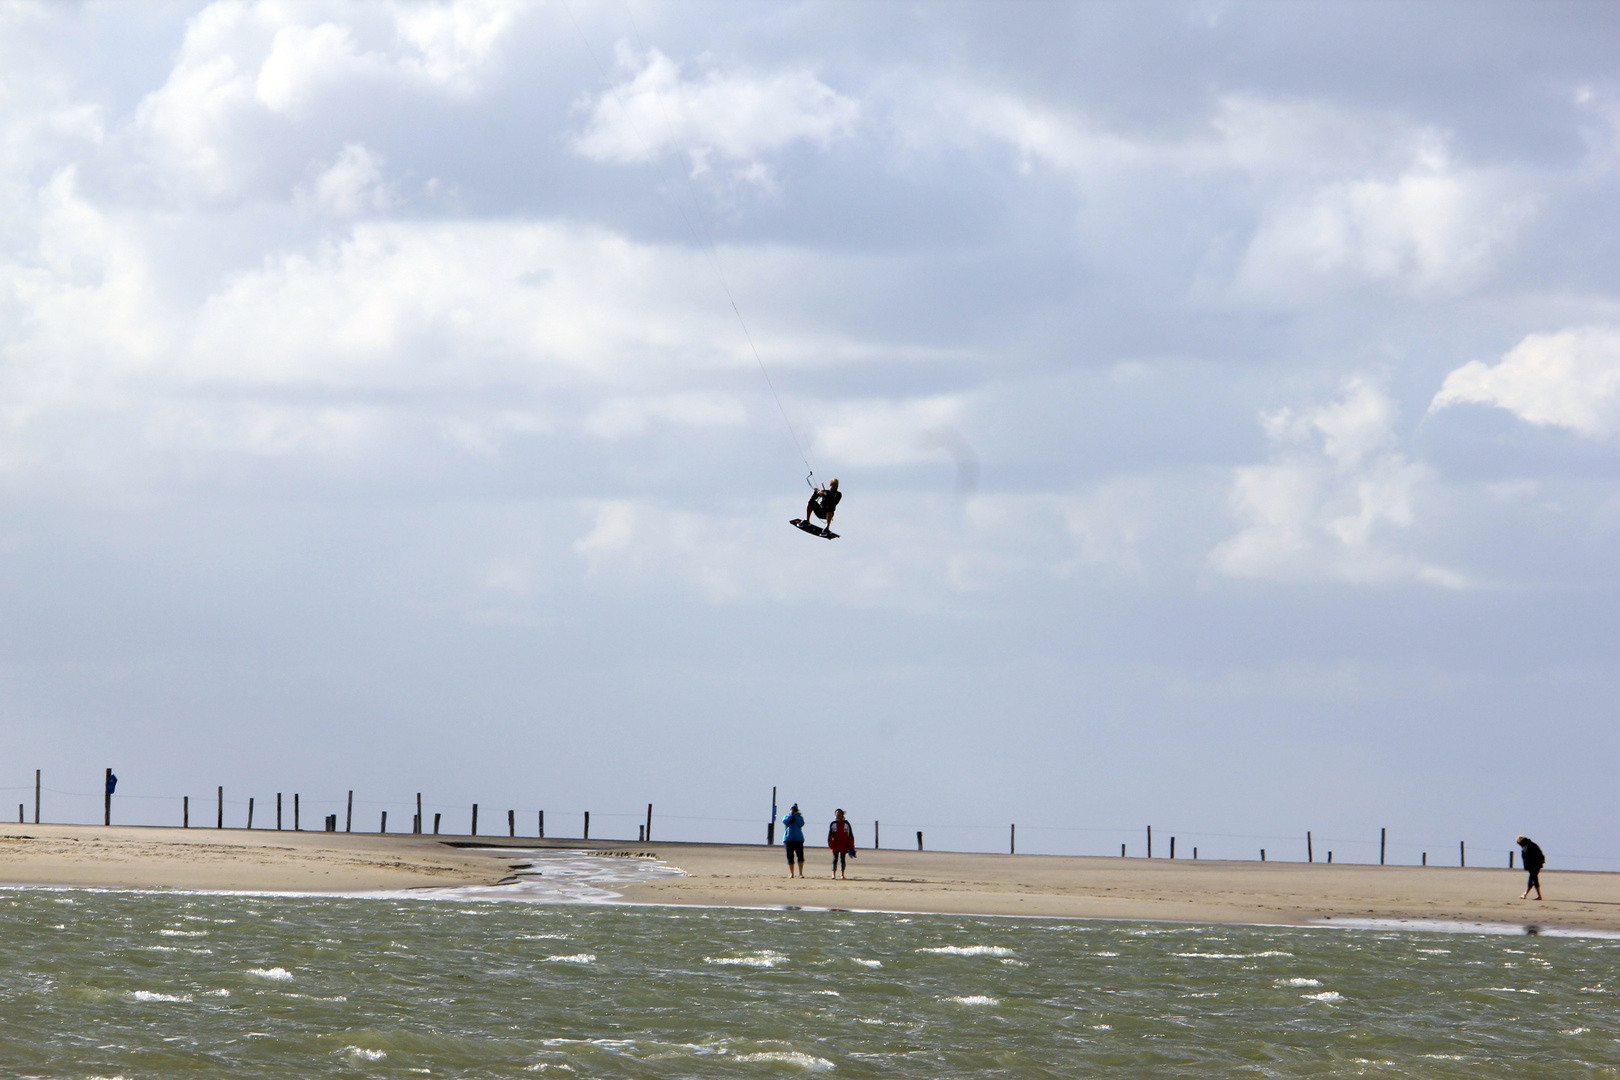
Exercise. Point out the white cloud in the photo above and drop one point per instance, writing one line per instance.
(1570, 379)
(887, 433)
(353, 184)
(618, 417)
(1327, 503)
(735, 117)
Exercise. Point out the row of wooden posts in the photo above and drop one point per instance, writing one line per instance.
(644, 832)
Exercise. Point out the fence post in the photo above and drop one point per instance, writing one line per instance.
(185, 812)
(1172, 847)
(474, 821)
(435, 824)
(875, 844)
(1462, 853)
(219, 818)
(250, 812)
(649, 823)
(1310, 856)
(1262, 854)
(383, 826)
(1012, 841)
(511, 823)
(1122, 851)
(1150, 841)
(278, 811)
(542, 824)
(416, 826)
(1381, 833)
(1195, 854)
(919, 839)
(348, 818)
(587, 825)
(36, 796)
(1426, 859)
(296, 826)
(106, 805)
(1510, 855)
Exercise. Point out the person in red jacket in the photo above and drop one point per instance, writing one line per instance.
(841, 838)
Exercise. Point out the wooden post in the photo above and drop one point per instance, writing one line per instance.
(1150, 841)
(348, 817)
(1122, 851)
(1510, 854)
(542, 824)
(436, 824)
(649, 823)
(278, 811)
(383, 827)
(185, 812)
(919, 839)
(1462, 853)
(250, 812)
(1172, 847)
(106, 805)
(587, 825)
(1330, 858)
(1262, 854)
(1195, 854)
(1381, 833)
(1425, 858)
(1012, 841)
(296, 826)
(770, 830)
(641, 834)
(474, 821)
(36, 796)
(219, 817)
(875, 844)
(511, 823)
(417, 825)
(1310, 856)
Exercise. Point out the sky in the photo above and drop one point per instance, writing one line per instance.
(412, 397)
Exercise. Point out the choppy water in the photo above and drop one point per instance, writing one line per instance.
(138, 985)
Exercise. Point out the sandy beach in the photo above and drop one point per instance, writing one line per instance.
(1179, 890)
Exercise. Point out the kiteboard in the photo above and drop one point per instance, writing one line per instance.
(813, 530)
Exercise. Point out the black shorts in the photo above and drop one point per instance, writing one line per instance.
(1535, 880)
(795, 850)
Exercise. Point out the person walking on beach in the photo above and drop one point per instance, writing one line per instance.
(1534, 860)
(841, 838)
(793, 838)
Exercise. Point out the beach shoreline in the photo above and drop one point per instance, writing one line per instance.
(754, 876)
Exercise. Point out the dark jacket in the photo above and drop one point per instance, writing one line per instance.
(1533, 858)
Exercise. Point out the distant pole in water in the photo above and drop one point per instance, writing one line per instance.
(1310, 856)
(587, 825)
(1172, 847)
(919, 839)
(185, 812)
(1381, 833)
(382, 827)
(250, 812)
(36, 796)
(348, 818)
(474, 821)
(1150, 842)
(542, 824)
(1462, 853)
(649, 823)
(511, 822)
(436, 823)
(1012, 841)
(219, 819)
(106, 805)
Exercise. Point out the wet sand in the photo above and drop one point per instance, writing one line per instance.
(755, 876)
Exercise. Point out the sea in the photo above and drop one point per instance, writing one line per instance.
(548, 977)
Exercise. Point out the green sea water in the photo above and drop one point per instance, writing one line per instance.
(150, 984)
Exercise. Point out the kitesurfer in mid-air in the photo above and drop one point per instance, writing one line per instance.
(823, 503)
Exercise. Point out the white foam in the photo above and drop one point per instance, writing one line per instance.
(975, 999)
(276, 974)
(867, 963)
(360, 1053)
(764, 958)
(558, 875)
(790, 1057)
(1299, 982)
(969, 950)
(153, 995)
(184, 933)
(1326, 995)
(1232, 956)
(576, 958)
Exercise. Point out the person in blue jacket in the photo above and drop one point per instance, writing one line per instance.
(793, 839)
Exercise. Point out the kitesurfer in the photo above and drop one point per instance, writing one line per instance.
(823, 503)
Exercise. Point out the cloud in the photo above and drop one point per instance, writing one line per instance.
(1570, 379)
(353, 184)
(1327, 503)
(887, 433)
(738, 118)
